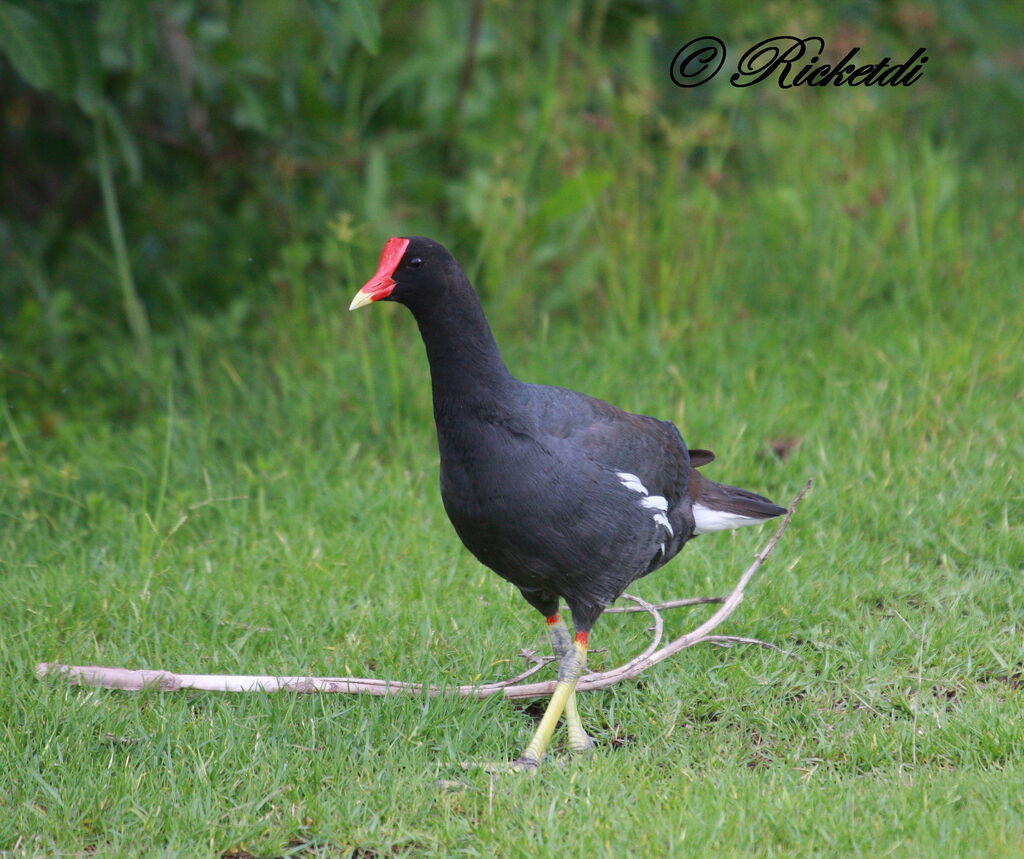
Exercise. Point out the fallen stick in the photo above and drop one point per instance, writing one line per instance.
(134, 680)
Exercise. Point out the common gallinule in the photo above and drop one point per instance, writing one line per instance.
(565, 496)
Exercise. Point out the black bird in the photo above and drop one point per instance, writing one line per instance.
(565, 496)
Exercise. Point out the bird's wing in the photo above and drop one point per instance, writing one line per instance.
(651, 450)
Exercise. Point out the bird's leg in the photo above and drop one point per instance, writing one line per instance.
(561, 643)
(569, 670)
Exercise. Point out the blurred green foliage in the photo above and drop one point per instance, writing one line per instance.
(168, 159)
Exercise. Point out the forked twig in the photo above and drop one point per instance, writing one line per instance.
(513, 687)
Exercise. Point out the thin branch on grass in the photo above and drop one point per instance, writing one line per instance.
(513, 687)
(661, 606)
(730, 640)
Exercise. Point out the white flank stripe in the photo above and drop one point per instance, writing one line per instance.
(662, 519)
(707, 520)
(631, 481)
(655, 502)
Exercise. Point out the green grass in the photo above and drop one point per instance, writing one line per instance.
(260, 496)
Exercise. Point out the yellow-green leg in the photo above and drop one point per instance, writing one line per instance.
(571, 664)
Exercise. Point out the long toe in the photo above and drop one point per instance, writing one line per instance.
(524, 765)
(521, 765)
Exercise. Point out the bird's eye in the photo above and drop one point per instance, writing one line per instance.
(415, 262)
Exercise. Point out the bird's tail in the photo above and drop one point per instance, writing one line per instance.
(717, 507)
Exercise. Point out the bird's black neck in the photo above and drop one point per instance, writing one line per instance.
(465, 362)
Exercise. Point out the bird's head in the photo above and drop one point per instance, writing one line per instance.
(410, 271)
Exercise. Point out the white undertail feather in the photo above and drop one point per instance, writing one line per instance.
(707, 520)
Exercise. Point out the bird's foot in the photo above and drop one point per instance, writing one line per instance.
(525, 765)
(580, 741)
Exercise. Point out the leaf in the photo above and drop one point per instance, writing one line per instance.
(376, 183)
(121, 29)
(32, 47)
(328, 19)
(363, 19)
(250, 112)
(573, 195)
(80, 25)
(124, 140)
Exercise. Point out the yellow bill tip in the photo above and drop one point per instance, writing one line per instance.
(361, 299)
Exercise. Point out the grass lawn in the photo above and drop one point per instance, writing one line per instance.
(259, 496)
